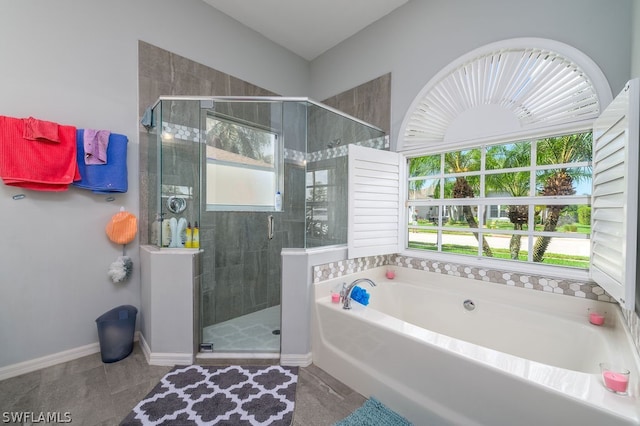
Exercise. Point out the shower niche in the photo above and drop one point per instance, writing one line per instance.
(253, 176)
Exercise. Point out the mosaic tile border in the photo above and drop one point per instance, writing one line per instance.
(340, 268)
(342, 150)
(192, 134)
(633, 322)
(178, 131)
(294, 155)
(582, 289)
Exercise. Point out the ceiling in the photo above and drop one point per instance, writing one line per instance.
(306, 27)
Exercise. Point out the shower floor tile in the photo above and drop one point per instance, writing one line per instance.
(249, 333)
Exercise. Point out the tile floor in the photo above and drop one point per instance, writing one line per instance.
(249, 333)
(95, 393)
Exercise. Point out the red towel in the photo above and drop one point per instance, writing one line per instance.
(40, 165)
(40, 130)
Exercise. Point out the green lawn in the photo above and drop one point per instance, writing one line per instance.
(549, 258)
(504, 225)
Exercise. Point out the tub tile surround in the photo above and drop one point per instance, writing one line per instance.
(534, 282)
(574, 288)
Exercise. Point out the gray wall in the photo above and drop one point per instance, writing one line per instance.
(75, 62)
(419, 39)
(635, 44)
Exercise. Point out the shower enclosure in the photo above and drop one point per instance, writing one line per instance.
(218, 164)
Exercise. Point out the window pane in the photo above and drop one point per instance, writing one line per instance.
(461, 216)
(423, 239)
(317, 193)
(564, 149)
(571, 220)
(508, 156)
(424, 166)
(321, 177)
(573, 181)
(462, 187)
(243, 155)
(424, 189)
(507, 246)
(519, 222)
(575, 218)
(507, 184)
(459, 242)
(462, 161)
(241, 144)
(423, 215)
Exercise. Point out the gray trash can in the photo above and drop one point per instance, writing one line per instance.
(115, 332)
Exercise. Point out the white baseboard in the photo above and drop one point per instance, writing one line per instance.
(164, 358)
(296, 360)
(49, 360)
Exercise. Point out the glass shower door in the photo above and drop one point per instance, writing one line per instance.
(240, 296)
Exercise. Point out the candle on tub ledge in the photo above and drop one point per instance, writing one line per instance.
(615, 379)
(596, 318)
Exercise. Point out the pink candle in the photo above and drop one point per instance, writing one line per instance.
(616, 381)
(335, 297)
(596, 319)
(391, 275)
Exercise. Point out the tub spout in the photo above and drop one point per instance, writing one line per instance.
(346, 296)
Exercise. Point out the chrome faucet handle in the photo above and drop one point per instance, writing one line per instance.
(346, 301)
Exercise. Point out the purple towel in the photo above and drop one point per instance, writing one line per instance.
(104, 178)
(95, 146)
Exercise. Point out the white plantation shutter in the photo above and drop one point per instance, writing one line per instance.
(505, 90)
(374, 202)
(615, 196)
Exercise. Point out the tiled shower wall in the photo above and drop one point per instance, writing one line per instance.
(370, 102)
(574, 288)
(163, 73)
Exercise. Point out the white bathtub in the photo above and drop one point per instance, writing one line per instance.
(520, 357)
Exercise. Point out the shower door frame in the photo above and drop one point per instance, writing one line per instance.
(208, 349)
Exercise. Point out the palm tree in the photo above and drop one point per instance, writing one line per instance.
(239, 139)
(514, 184)
(455, 162)
(559, 182)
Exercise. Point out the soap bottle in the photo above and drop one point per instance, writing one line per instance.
(188, 240)
(278, 202)
(166, 233)
(195, 236)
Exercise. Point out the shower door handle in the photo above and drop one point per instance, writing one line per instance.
(270, 226)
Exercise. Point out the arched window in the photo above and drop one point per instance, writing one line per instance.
(498, 148)
(506, 90)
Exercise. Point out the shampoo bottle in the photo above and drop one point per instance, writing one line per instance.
(278, 202)
(195, 236)
(188, 241)
(166, 233)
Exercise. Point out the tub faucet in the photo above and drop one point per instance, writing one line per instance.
(346, 291)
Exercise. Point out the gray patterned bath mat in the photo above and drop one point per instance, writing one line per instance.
(232, 395)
